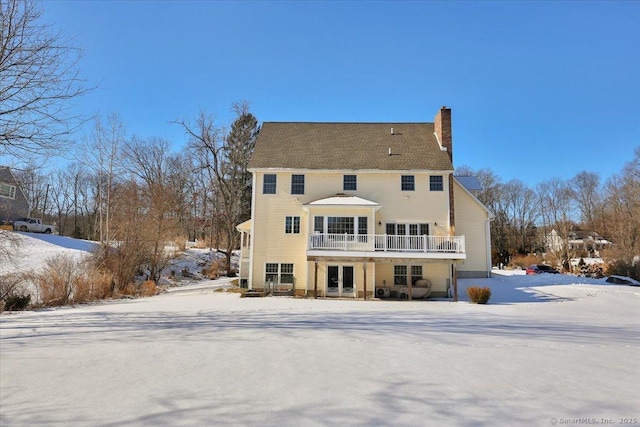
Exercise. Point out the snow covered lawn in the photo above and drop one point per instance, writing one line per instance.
(542, 349)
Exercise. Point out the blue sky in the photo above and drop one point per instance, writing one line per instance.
(538, 89)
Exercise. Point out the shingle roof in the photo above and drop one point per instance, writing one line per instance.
(349, 146)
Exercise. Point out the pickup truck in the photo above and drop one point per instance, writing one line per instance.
(34, 225)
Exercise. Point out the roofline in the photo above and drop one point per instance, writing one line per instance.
(434, 171)
(353, 123)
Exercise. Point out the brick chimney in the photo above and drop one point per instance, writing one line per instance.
(442, 128)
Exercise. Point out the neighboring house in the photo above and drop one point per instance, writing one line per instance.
(13, 203)
(340, 208)
(578, 240)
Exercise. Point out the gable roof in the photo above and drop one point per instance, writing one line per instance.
(7, 176)
(348, 146)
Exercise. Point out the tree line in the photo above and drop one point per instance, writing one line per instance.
(138, 194)
(525, 215)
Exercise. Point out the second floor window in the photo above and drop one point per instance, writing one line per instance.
(407, 183)
(350, 183)
(269, 184)
(292, 225)
(435, 183)
(297, 184)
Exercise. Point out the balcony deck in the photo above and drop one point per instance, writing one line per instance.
(384, 245)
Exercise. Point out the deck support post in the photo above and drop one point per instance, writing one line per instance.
(364, 294)
(315, 280)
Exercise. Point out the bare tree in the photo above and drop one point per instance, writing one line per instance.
(61, 195)
(151, 166)
(621, 212)
(522, 207)
(225, 157)
(38, 80)
(557, 213)
(585, 188)
(103, 155)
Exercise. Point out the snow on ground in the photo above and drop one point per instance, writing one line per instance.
(547, 348)
(36, 248)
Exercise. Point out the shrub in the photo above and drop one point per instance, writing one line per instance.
(181, 243)
(479, 295)
(621, 267)
(13, 295)
(91, 285)
(65, 280)
(55, 283)
(16, 302)
(212, 271)
(9, 285)
(148, 288)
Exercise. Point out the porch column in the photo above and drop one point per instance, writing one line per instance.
(364, 266)
(315, 279)
(454, 279)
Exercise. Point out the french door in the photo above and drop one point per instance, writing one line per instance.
(340, 280)
(405, 236)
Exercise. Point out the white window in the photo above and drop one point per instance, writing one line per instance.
(350, 183)
(416, 273)
(269, 184)
(7, 190)
(292, 225)
(341, 225)
(297, 184)
(436, 183)
(407, 183)
(395, 229)
(400, 274)
(278, 273)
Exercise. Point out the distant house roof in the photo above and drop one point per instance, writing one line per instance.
(6, 175)
(471, 183)
(349, 146)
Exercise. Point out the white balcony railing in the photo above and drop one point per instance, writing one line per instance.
(386, 243)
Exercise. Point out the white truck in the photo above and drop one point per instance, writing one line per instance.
(34, 225)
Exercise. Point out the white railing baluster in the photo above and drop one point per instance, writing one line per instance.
(387, 243)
